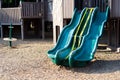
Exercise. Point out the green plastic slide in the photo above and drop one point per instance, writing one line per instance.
(82, 29)
(85, 53)
(77, 43)
(66, 34)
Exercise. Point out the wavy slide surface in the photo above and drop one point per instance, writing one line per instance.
(66, 34)
(77, 44)
(82, 30)
(86, 51)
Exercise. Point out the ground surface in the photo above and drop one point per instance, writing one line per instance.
(29, 61)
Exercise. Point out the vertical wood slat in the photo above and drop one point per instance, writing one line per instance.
(115, 8)
(102, 4)
(31, 9)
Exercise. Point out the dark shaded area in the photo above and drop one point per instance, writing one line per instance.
(13, 3)
(32, 28)
(99, 66)
(16, 31)
(101, 4)
(48, 29)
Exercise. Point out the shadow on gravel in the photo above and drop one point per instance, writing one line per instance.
(99, 66)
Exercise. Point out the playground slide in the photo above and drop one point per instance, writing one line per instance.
(66, 34)
(86, 51)
(82, 30)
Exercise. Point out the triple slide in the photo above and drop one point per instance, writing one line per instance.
(77, 46)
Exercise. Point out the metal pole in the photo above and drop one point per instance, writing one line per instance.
(10, 35)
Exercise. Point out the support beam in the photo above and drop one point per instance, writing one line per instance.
(43, 26)
(118, 32)
(1, 31)
(64, 22)
(0, 3)
(22, 30)
(109, 35)
(43, 29)
(54, 34)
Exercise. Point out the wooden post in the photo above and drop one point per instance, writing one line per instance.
(1, 31)
(0, 3)
(109, 34)
(22, 30)
(64, 22)
(117, 33)
(43, 28)
(115, 26)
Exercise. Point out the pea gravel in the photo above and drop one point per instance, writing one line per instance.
(28, 61)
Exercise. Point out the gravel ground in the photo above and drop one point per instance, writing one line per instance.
(28, 61)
